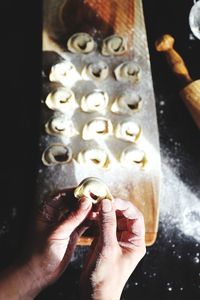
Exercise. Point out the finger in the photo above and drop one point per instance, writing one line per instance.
(74, 219)
(108, 223)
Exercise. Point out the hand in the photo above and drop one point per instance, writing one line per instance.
(51, 244)
(115, 253)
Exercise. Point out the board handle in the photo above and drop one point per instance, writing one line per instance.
(166, 44)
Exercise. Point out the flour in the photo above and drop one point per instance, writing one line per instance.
(179, 205)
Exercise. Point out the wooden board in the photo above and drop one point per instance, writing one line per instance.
(101, 19)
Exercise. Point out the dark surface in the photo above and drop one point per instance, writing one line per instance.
(171, 268)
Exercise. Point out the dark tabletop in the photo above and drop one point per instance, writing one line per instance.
(171, 267)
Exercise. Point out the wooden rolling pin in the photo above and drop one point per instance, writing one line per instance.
(191, 89)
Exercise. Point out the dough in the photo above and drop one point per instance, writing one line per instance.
(62, 100)
(114, 45)
(133, 155)
(128, 131)
(97, 128)
(96, 71)
(80, 43)
(96, 101)
(94, 189)
(127, 103)
(96, 157)
(57, 154)
(128, 72)
(60, 126)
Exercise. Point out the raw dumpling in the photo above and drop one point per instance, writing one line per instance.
(62, 100)
(60, 126)
(127, 103)
(128, 131)
(114, 45)
(97, 128)
(96, 71)
(96, 157)
(57, 154)
(80, 43)
(128, 72)
(94, 189)
(133, 156)
(96, 101)
(65, 73)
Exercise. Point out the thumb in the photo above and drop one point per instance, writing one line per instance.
(108, 223)
(75, 218)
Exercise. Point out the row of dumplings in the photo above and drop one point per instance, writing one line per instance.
(66, 73)
(126, 130)
(83, 43)
(64, 100)
(57, 154)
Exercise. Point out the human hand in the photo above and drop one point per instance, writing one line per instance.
(115, 253)
(51, 244)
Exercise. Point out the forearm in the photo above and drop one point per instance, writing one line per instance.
(18, 283)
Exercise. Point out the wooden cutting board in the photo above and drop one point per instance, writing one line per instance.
(102, 18)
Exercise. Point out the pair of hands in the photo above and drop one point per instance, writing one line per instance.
(113, 256)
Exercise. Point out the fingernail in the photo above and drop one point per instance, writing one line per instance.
(85, 203)
(106, 205)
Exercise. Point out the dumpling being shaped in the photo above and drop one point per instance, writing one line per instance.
(94, 156)
(114, 45)
(128, 72)
(95, 101)
(61, 99)
(128, 131)
(127, 103)
(97, 128)
(60, 126)
(133, 155)
(56, 154)
(94, 189)
(98, 71)
(81, 43)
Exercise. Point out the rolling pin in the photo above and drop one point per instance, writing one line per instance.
(190, 93)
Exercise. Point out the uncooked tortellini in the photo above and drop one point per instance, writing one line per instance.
(128, 131)
(128, 72)
(96, 71)
(94, 189)
(97, 128)
(127, 103)
(65, 73)
(80, 43)
(62, 100)
(57, 154)
(114, 45)
(95, 101)
(94, 156)
(133, 155)
(60, 126)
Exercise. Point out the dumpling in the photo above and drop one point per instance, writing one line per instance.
(57, 154)
(128, 131)
(94, 189)
(114, 45)
(65, 73)
(97, 157)
(95, 101)
(97, 128)
(128, 72)
(133, 155)
(60, 126)
(96, 71)
(127, 103)
(62, 100)
(80, 43)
